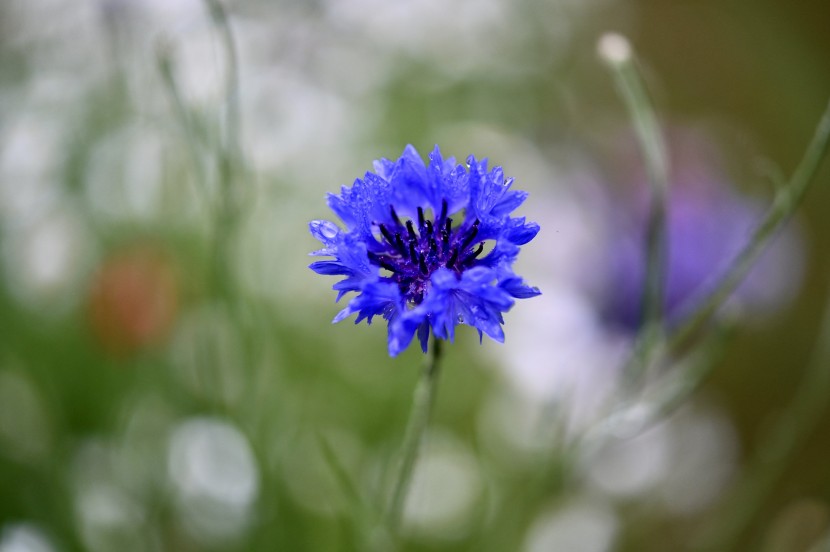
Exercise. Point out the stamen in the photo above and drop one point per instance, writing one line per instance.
(433, 245)
(453, 257)
(471, 235)
(474, 254)
(382, 261)
(387, 235)
(395, 215)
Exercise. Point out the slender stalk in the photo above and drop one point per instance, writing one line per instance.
(789, 433)
(786, 202)
(616, 51)
(228, 155)
(232, 107)
(700, 366)
(165, 65)
(413, 438)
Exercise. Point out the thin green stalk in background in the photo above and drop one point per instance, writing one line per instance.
(226, 151)
(188, 126)
(696, 369)
(230, 146)
(786, 202)
(788, 434)
(413, 438)
(666, 399)
(359, 511)
(228, 156)
(616, 51)
(215, 140)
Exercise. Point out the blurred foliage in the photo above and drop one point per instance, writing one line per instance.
(169, 378)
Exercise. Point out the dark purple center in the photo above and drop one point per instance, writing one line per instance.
(413, 255)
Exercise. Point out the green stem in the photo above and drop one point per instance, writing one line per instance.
(165, 65)
(616, 51)
(789, 433)
(228, 154)
(786, 202)
(414, 436)
(232, 107)
(700, 365)
(648, 132)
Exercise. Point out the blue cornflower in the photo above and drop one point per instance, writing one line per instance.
(413, 247)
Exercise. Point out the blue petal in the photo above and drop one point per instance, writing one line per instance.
(423, 335)
(509, 203)
(330, 268)
(353, 283)
(375, 298)
(503, 254)
(518, 289)
(472, 299)
(519, 232)
(403, 324)
(410, 183)
(383, 167)
(342, 205)
(446, 182)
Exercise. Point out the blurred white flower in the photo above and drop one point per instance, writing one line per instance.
(215, 479)
(30, 155)
(703, 455)
(109, 516)
(47, 262)
(423, 28)
(446, 490)
(110, 519)
(24, 537)
(625, 467)
(559, 353)
(580, 525)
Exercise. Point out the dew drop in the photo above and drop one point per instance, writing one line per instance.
(325, 228)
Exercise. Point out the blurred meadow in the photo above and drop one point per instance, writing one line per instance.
(169, 375)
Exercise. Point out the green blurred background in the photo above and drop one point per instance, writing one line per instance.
(169, 377)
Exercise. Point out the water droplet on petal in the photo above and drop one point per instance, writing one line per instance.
(325, 228)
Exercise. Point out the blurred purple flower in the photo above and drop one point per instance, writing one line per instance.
(708, 224)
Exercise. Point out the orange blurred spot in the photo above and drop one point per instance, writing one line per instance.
(134, 299)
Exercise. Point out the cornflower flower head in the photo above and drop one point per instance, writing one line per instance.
(413, 247)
